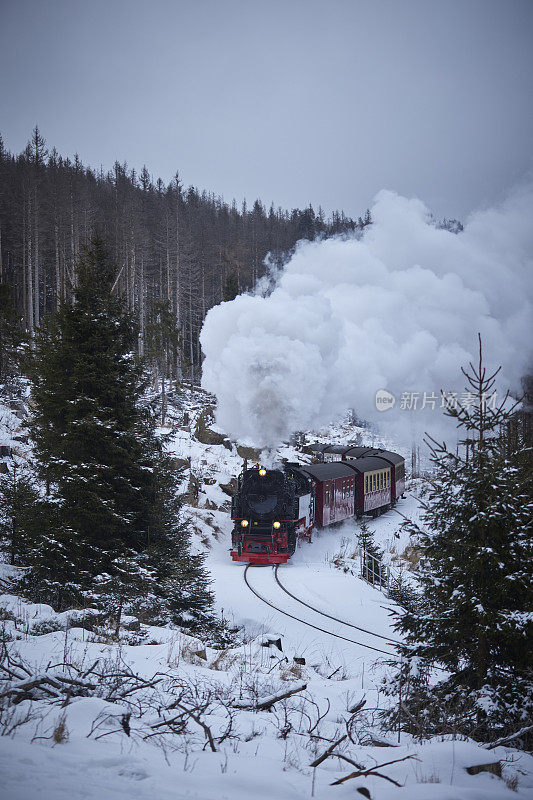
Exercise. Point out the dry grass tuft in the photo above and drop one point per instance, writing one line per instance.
(60, 733)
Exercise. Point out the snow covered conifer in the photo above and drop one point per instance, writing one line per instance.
(11, 334)
(366, 541)
(477, 596)
(108, 487)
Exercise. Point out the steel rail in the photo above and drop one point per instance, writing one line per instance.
(330, 616)
(309, 624)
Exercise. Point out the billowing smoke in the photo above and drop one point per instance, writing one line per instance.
(398, 309)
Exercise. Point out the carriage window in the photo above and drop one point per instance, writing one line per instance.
(381, 480)
(366, 484)
(327, 493)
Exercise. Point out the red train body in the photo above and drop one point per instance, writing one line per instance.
(274, 508)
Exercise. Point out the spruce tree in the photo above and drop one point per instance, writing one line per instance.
(366, 541)
(110, 499)
(20, 519)
(162, 344)
(474, 619)
(231, 287)
(11, 335)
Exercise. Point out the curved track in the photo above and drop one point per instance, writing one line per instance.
(309, 624)
(330, 616)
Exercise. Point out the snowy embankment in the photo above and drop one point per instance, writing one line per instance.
(157, 714)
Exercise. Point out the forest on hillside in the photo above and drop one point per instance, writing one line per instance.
(178, 251)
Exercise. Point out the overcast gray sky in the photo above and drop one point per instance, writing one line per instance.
(294, 102)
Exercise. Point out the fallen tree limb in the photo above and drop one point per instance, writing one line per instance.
(348, 760)
(363, 773)
(267, 703)
(328, 752)
(509, 738)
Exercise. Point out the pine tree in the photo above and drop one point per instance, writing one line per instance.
(373, 569)
(162, 342)
(20, 520)
(231, 287)
(477, 597)
(11, 334)
(365, 540)
(110, 501)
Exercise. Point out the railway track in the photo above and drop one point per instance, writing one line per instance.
(330, 616)
(310, 625)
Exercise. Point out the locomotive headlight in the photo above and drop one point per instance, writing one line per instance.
(244, 523)
(262, 472)
(277, 525)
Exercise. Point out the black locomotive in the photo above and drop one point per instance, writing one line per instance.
(275, 507)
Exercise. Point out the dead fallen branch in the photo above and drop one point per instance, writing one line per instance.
(363, 773)
(328, 752)
(509, 738)
(495, 768)
(267, 702)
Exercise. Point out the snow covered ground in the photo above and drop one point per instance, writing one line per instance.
(83, 748)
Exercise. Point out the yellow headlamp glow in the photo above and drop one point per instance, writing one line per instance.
(244, 523)
(277, 525)
(262, 472)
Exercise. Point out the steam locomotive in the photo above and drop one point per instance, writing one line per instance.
(273, 508)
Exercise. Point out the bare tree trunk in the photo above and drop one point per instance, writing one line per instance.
(203, 291)
(141, 308)
(133, 267)
(24, 269)
(222, 276)
(191, 337)
(177, 366)
(29, 269)
(163, 390)
(72, 248)
(127, 278)
(36, 257)
(169, 292)
(58, 268)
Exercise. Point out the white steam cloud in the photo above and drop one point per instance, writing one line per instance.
(398, 309)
